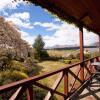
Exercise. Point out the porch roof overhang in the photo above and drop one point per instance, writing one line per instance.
(84, 13)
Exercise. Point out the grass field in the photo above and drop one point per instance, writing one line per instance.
(61, 53)
(54, 65)
(51, 66)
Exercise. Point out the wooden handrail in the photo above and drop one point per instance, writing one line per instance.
(33, 80)
(38, 77)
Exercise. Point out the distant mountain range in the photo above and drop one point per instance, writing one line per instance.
(94, 45)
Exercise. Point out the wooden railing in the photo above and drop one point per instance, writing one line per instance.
(69, 74)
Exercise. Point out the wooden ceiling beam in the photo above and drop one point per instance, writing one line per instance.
(83, 16)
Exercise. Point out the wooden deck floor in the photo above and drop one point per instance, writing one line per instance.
(91, 92)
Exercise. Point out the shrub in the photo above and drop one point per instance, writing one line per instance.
(86, 55)
(17, 75)
(71, 56)
(16, 65)
(5, 60)
(3, 63)
(31, 71)
(29, 62)
(9, 76)
(32, 67)
(39, 94)
(67, 61)
(44, 55)
(72, 61)
(19, 59)
(75, 61)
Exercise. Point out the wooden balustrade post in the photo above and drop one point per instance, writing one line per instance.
(81, 53)
(65, 72)
(97, 59)
(91, 67)
(30, 92)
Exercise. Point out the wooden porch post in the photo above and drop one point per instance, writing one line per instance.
(99, 43)
(81, 53)
(99, 47)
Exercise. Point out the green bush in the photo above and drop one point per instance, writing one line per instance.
(32, 67)
(16, 65)
(44, 55)
(5, 61)
(9, 76)
(75, 61)
(19, 59)
(86, 55)
(94, 54)
(67, 61)
(17, 75)
(32, 71)
(71, 56)
(39, 94)
(41, 56)
(15, 68)
(72, 61)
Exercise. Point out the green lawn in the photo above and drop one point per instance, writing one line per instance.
(50, 66)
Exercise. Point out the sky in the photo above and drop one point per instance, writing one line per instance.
(33, 20)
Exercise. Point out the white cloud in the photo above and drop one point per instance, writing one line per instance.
(69, 35)
(57, 20)
(26, 36)
(64, 35)
(21, 20)
(23, 16)
(48, 26)
(9, 4)
(89, 37)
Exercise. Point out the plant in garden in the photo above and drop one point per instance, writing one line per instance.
(38, 46)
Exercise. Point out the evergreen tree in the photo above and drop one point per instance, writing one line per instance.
(39, 47)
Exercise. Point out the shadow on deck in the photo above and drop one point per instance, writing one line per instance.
(90, 92)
